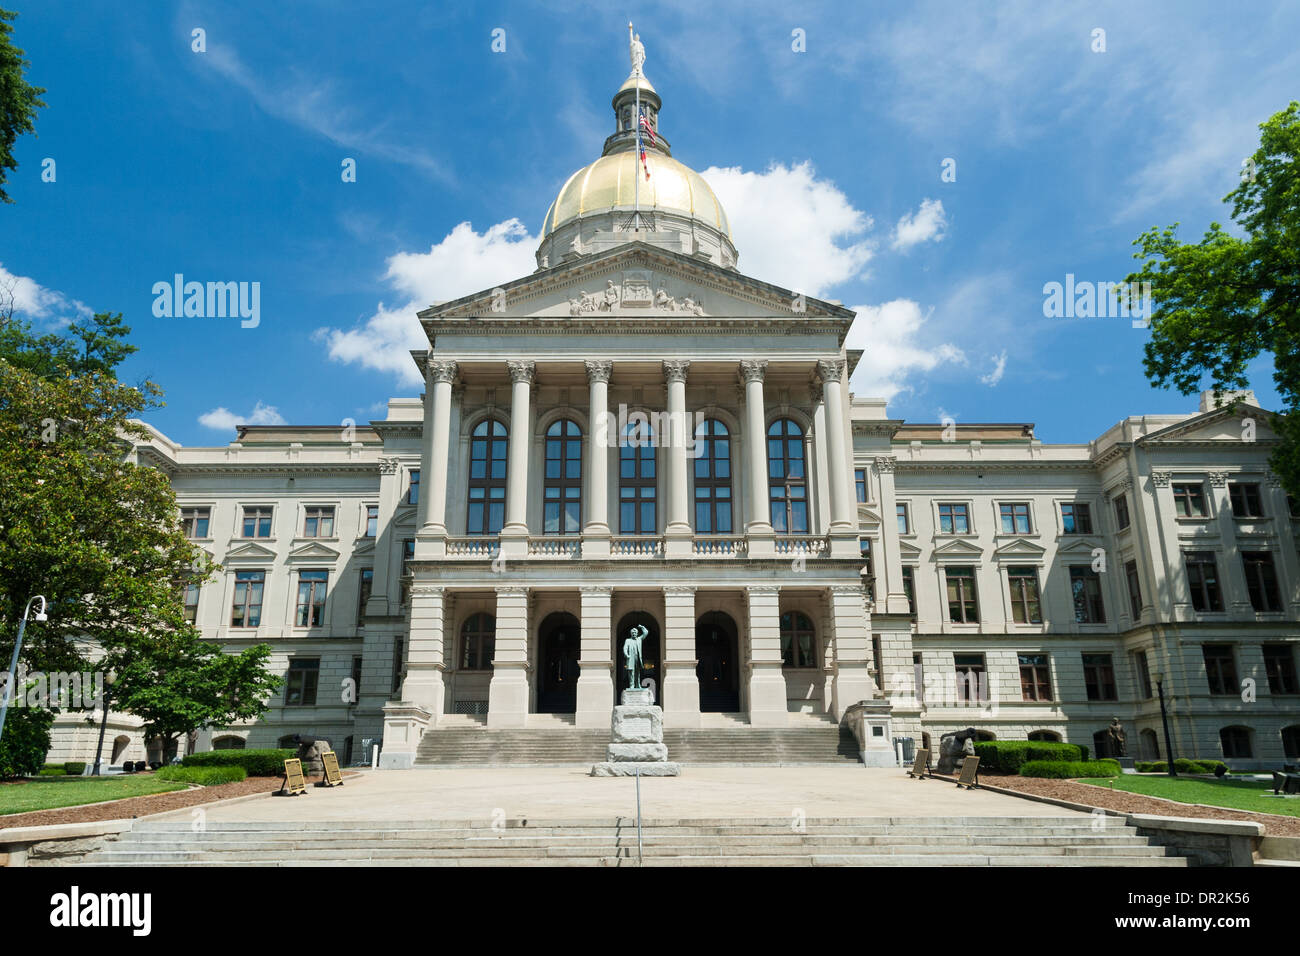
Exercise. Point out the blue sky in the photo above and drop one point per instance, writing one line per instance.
(225, 165)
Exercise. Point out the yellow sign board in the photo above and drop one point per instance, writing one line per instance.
(333, 778)
(294, 783)
(920, 765)
(969, 773)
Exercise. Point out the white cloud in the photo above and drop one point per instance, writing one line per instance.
(223, 419)
(999, 369)
(792, 229)
(927, 223)
(35, 302)
(464, 262)
(895, 348)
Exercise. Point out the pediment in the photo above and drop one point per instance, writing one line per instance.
(868, 516)
(314, 551)
(908, 550)
(959, 548)
(404, 514)
(1083, 544)
(250, 551)
(1226, 424)
(1021, 549)
(364, 546)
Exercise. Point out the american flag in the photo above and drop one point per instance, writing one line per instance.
(644, 127)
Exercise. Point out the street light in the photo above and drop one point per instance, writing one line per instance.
(1164, 719)
(109, 679)
(13, 664)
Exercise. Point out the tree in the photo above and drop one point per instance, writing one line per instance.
(26, 740)
(1221, 302)
(19, 100)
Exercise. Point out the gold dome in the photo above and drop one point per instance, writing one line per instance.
(611, 183)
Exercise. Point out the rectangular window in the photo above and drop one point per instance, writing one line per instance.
(1246, 500)
(972, 681)
(860, 483)
(191, 602)
(319, 523)
(1143, 674)
(1134, 589)
(356, 679)
(1279, 665)
(247, 609)
(1015, 518)
(372, 521)
(1236, 743)
(1220, 669)
(1261, 580)
(1085, 589)
(311, 598)
(1076, 517)
(1025, 604)
(408, 555)
(1099, 677)
(304, 675)
(1189, 500)
(953, 519)
(413, 488)
(904, 525)
(398, 650)
(918, 675)
(1203, 580)
(1035, 680)
(257, 522)
(367, 582)
(962, 605)
(909, 588)
(194, 522)
(1121, 512)
(1292, 507)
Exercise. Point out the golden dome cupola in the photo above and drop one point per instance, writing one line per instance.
(626, 196)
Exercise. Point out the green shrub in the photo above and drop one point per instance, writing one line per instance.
(256, 763)
(1182, 765)
(74, 768)
(1064, 769)
(1008, 756)
(26, 741)
(1083, 751)
(203, 776)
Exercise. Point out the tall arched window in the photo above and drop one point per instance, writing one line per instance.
(562, 482)
(798, 642)
(636, 480)
(478, 637)
(787, 477)
(712, 478)
(487, 477)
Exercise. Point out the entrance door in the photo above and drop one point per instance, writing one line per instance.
(651, 666)
(718, 669)
(558, 649)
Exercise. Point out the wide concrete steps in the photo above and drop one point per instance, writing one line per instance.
(979, 841)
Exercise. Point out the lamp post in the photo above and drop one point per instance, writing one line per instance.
(109, 678)
(1164, 720)
(13, 663)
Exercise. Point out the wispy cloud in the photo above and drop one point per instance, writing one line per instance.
(999, 369)
(223, 419)
(897, 345)
(926, 224)
(35, 302)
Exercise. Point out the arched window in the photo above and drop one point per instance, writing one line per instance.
(636, 480)
(787, 477)
(562, 484)
(712, 478)
(478, 636)
(487, 478)
(985, 735)
(229, 742)
(1046, 736)
(1291, 742)
(798, 642)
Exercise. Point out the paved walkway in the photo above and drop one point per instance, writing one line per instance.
(569, 794)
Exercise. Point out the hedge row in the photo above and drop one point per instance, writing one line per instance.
(1063, 769)
(1008, 756)
(256, 763)
(1182, 765)
(204, 776)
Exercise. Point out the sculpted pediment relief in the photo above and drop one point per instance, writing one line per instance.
(638, 292)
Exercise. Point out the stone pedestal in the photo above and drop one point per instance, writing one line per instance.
(636, 740)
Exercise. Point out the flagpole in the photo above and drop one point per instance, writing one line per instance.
(636, 159)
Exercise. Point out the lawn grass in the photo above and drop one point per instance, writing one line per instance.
(1253, 795)
(25, 796)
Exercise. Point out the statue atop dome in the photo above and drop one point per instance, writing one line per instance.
(635, 49)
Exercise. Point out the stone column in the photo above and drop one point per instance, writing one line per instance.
(514, 534)
(844, 525)
(595, 533)
(425, 654)
(888, 564)
(431, 540)
(677, 530)
(680, 694)
(1288, 568)
(596, 676)
(758, 529)
(508, 692)
(851, 632)
(767, 706)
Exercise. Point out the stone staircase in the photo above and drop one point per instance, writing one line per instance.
(870, 841)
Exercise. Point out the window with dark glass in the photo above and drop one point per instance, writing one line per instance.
(1203, 580)
(918, 676)
(1121, 512)
(372, 521)
(257, 522)
(1220, 668)
(399, 648)
(787, 478)
(1134, 589)
(1076, 517)
(310, 610)
(562, 479)
(1189, 500)
(1236, 743)
(356, 677)
(1143, 674)
(860, 483)
(413, 488)
(366, 585)
(1015, 518)
(194, 522)
(1025, 604)
(1292, 506)
(300, 688)
(637, 512)
(713, 478)
(478, 642)
(798, 642)
(408, 555)
(1099, 677)
(1085, 590)
(1245, 499)
(1035, 679)
(909, 588)
(486, 505)
(962, 605)
(953, 519)
(1261, 580)
(904, 525)
(972, 680)
(319, 523)
(191, 601)
(1291, 742)
(247, 609)
(1279, 665)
